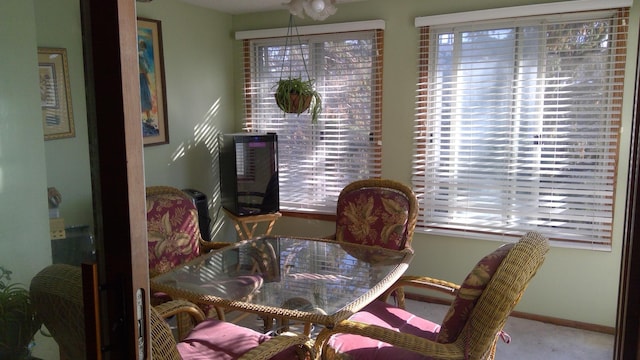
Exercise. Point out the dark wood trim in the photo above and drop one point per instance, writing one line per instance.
(92, 324)
(523, 315)
(117, 170)
(628, 318)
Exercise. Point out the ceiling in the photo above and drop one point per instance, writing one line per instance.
(246, 6)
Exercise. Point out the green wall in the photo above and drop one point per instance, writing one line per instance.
(58, 26)
(24, 225)
(198, 57)
(578, 285)
(199, 85)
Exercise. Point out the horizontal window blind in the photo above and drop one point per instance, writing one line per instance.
(317, 160)
(517, 126)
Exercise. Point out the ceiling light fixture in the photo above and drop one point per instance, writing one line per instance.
(317, 5)
(315, 9)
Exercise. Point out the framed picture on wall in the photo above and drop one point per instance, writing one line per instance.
(153, 116)
(55, 94)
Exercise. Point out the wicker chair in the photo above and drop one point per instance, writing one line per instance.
(174, 237)
(173, 229)
(470, 329)
(56, 293)
(377, 212)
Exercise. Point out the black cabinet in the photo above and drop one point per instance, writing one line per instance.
(249, 183)
(75, 248)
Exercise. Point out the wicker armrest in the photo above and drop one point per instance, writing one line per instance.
(404, 340)
(174, 307)
(268, 349)
(207, 246)
(187, 315)
(422, 282)
(425, 282)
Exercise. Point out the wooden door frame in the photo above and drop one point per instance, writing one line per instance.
(628, 317)
(627, 336)
(116, 154)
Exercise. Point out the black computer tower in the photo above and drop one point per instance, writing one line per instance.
(249, 173)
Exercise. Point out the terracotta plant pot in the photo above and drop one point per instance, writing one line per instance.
(296, 105)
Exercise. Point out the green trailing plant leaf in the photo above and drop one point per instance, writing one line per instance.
(18, 320)
(294, 96)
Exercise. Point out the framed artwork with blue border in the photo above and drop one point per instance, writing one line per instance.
(153, 105)
(55, 94)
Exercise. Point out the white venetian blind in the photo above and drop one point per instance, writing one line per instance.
(317, 160)
(517, 125)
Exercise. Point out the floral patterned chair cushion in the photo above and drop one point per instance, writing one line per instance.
(373, 216)
(173, 232)
(468, 294)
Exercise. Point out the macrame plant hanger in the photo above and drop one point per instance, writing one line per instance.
(290, 29)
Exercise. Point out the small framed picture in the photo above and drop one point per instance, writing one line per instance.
(55, 94)
(155, 129)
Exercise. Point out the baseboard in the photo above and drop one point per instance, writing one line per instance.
(523, 315)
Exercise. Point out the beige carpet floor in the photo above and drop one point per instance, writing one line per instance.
(530, 340)
(534, 340)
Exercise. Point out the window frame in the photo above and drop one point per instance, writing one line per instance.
(426, 63)
(325, 209)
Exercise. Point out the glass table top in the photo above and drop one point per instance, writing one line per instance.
(313, 278)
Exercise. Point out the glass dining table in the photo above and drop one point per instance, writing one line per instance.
(314, 281)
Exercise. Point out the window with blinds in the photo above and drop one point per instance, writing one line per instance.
(517, 126)
(317, 160)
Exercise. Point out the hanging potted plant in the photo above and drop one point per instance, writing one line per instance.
(18, 321)
(294, 96)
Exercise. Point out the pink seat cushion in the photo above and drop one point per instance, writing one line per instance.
(214, 339)
(373, 216)
(390, 317)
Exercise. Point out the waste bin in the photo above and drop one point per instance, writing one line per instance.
(201, 203)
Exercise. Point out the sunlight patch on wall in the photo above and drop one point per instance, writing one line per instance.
(180, 152)
(206, 132)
